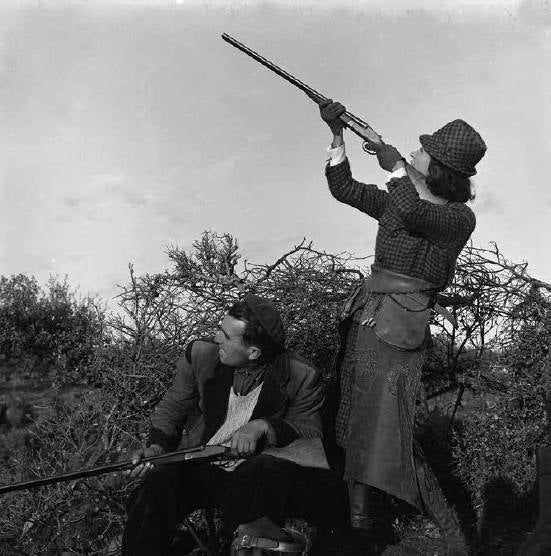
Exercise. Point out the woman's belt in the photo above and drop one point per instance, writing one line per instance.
(383, 281)
(401, 318)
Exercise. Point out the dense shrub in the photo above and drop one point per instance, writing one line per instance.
(49, 332)
(485, 383)
(80, 429)
(507, 417)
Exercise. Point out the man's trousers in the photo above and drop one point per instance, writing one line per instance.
(263, 486)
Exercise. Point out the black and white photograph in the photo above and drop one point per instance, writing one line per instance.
(274, 277)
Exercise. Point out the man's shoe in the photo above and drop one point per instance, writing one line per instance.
(263, 536)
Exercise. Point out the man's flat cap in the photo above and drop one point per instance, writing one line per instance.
(268, 316)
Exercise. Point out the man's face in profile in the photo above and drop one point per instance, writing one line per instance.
(231, 347)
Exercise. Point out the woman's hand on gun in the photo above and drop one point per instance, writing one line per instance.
(388, 156)
(330, 112)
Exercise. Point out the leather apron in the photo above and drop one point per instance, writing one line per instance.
(386, 322)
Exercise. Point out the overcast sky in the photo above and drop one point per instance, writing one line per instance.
(129, 126)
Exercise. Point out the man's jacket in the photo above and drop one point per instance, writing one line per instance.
(195, 405)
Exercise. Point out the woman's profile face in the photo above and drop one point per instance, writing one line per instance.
(420, 160)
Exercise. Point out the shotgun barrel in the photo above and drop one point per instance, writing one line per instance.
(188, 455)
(355, 124)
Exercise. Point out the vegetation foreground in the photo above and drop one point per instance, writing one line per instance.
(78, 383)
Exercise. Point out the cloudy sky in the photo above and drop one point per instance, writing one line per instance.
(129, 126)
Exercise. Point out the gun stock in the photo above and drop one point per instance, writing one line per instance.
(191, 454)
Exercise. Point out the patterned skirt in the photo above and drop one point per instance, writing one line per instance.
(379, 385)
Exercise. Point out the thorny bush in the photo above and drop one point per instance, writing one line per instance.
(485, 383)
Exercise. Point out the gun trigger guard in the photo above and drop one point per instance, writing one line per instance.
(367, 147)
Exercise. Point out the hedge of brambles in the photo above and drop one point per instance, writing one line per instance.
(105, 370)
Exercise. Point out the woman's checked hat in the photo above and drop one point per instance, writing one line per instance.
(456, 145)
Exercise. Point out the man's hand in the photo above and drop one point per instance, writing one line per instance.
(244, 440)
(330, 112)
(142, 469)
(388, 156)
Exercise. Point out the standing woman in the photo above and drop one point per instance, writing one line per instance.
(423, 225)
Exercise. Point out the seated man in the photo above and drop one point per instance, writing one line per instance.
(247, 392)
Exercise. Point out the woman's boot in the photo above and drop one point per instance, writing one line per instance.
(358, 539)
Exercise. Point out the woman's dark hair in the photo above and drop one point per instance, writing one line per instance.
(254, 334)
(447, 183)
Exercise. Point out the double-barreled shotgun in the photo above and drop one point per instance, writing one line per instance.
(201, 453)
(357, 125)
(371, 139)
